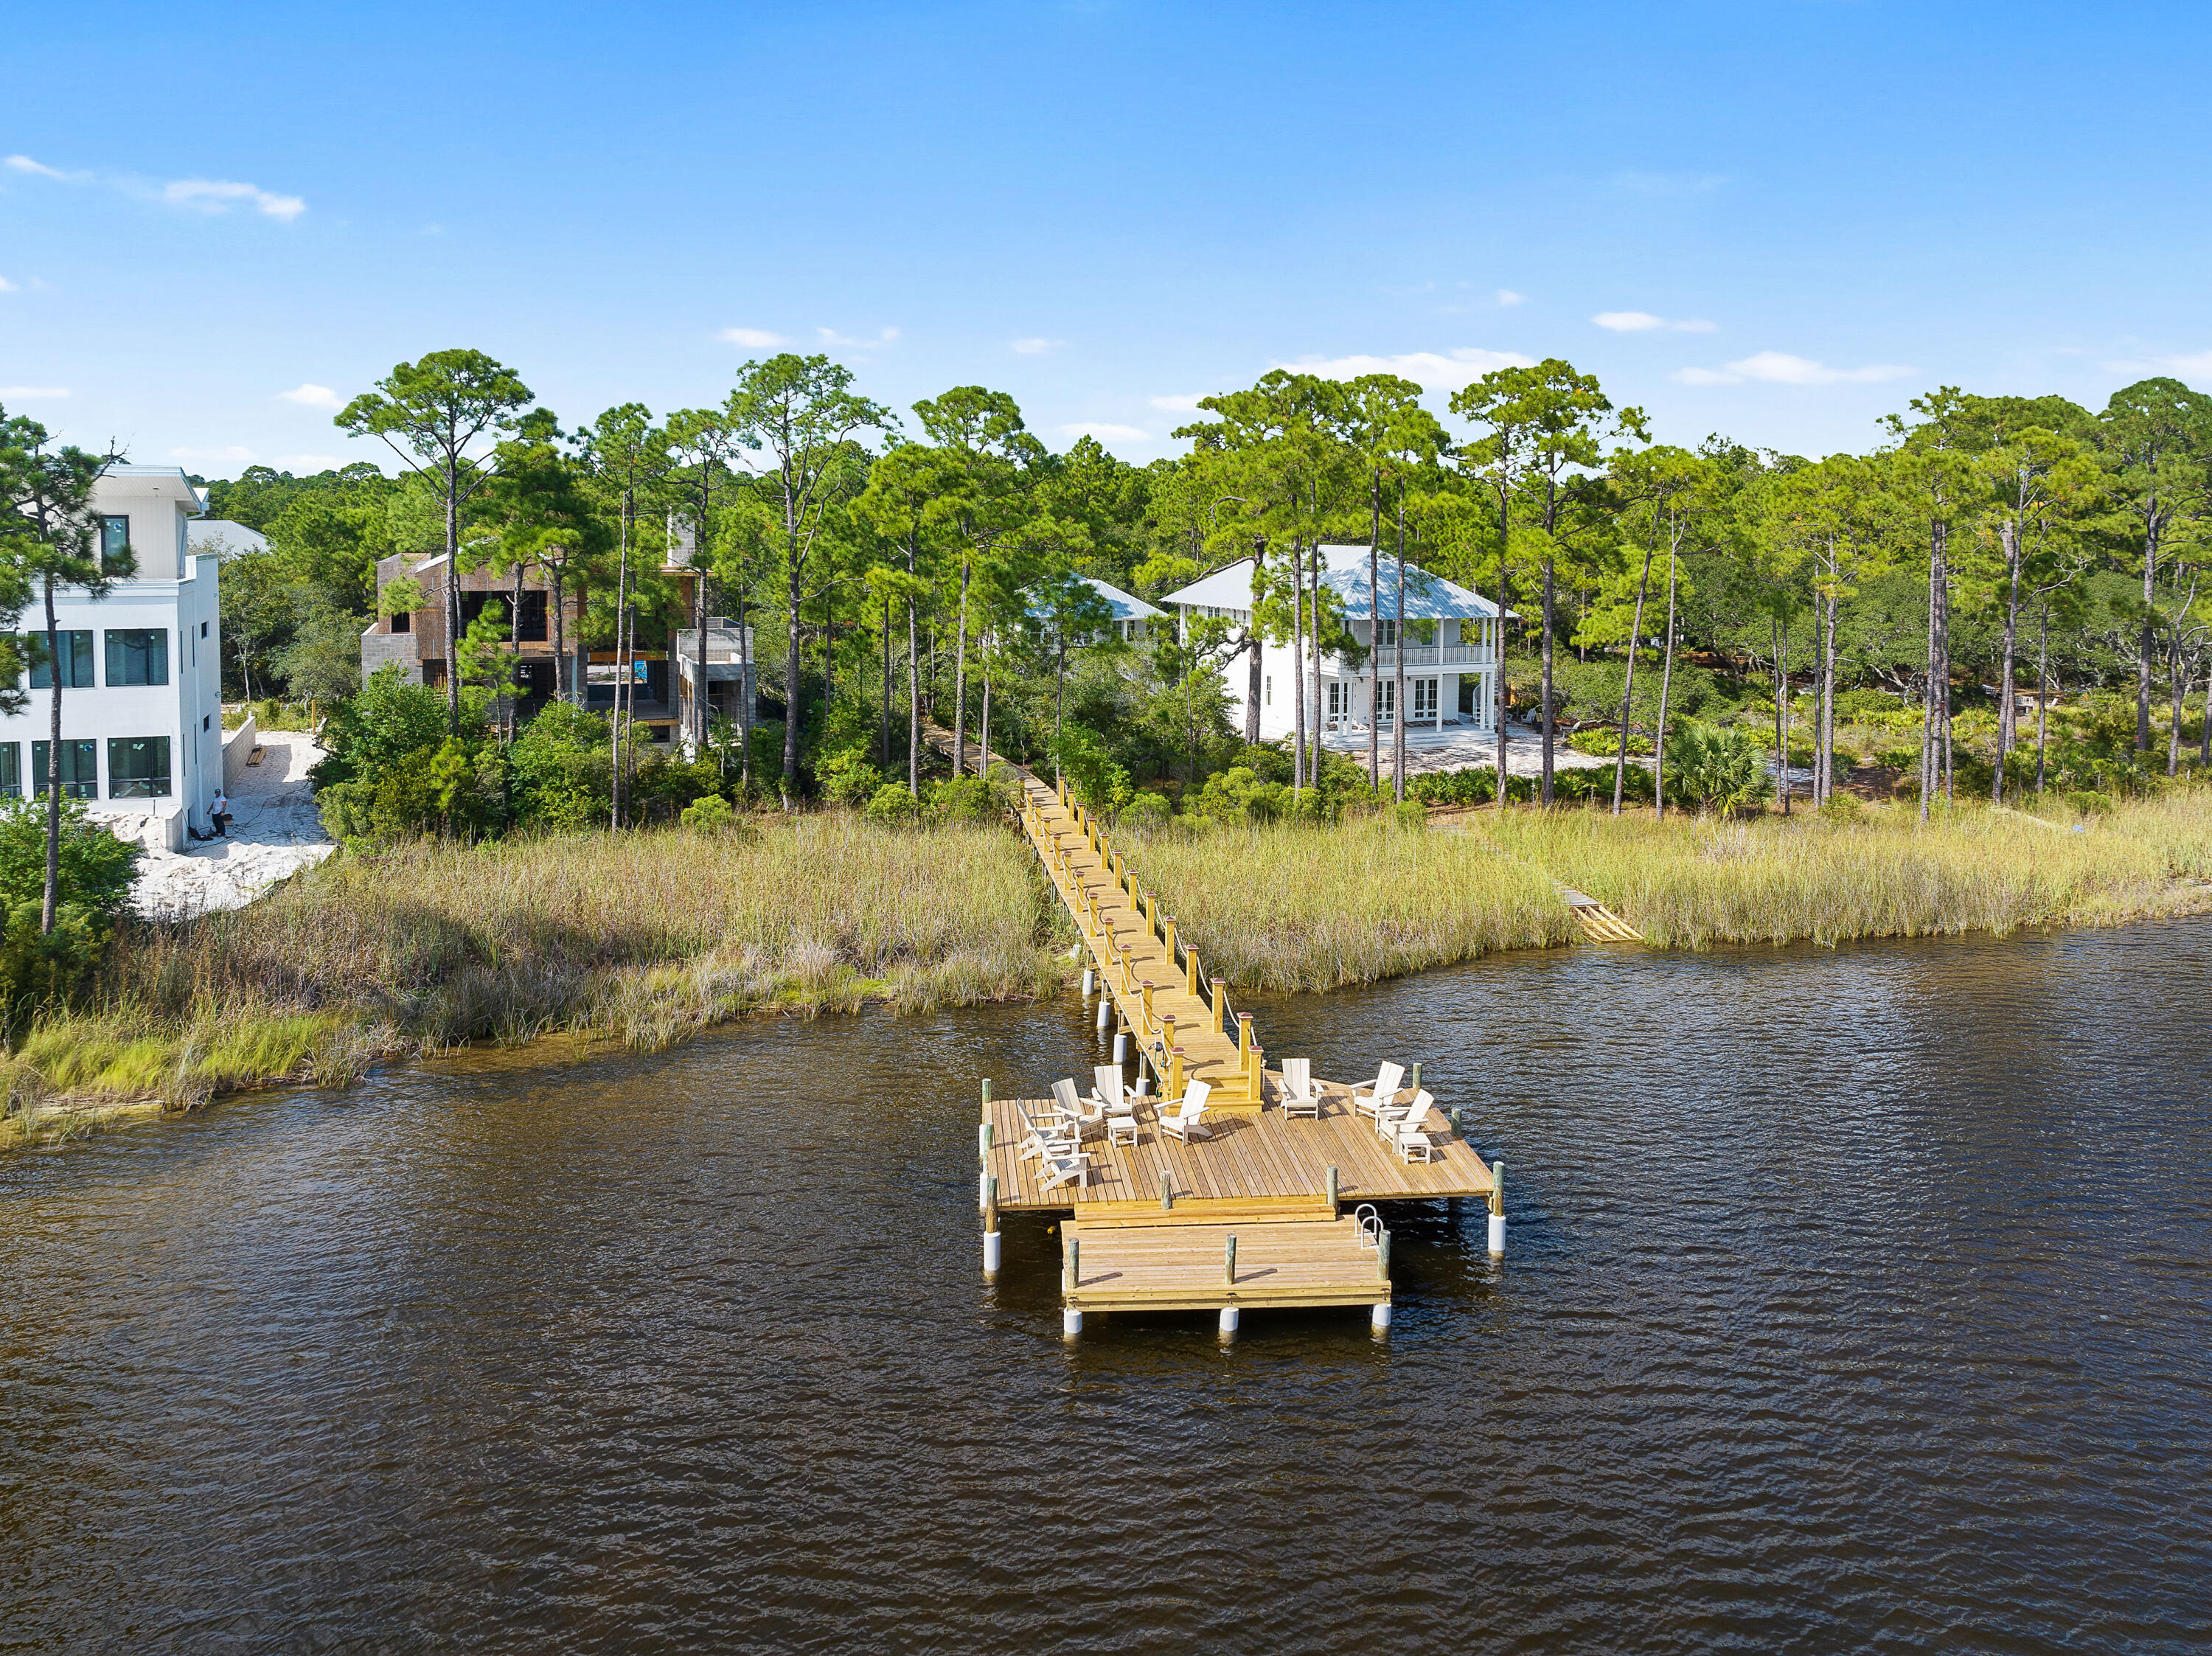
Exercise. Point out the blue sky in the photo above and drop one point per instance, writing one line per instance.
(1777, 221)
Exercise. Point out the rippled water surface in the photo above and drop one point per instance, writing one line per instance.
(1856, 1300)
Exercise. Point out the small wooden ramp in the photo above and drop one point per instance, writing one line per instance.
(1599, 923)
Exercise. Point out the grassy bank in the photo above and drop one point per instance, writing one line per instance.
(1874, 872)
(641, 938)
(1291, 907)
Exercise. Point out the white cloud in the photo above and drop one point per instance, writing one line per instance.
(831, 337)
(234, 454)
(1037, 347)
(1780, 369)
(2186, 362)
(202, 194)
(32, 393)
(1428, 369)
(1106, 433)
(1175, 405)
(312, 396)
(218, 196)
(1644, 322)
(1507, 296)
(6, 286)
(757, 338)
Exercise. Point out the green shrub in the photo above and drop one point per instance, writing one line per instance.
(847, 778)
(708, 814)
(961, 799)
(1237, 796)
(93, 887)
(1715, 769)
(894, 806)
(1607, 744)
(1148, 811)
(1867, 701)
(1409, 814)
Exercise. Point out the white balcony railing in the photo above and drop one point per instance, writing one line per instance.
(1431, 656)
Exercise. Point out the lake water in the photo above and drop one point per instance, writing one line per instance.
(1856, 1300)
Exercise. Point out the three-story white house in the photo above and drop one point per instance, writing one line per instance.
(141, 685)
(1451, 649)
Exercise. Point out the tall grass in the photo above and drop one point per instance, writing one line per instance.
(1291, 907)
(640, 937)
(1828, 876)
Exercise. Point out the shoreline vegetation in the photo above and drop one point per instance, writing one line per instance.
(646, 939)
(638, 939)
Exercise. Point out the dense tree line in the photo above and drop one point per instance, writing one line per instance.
(927, 566)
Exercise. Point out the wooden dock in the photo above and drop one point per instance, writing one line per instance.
(1249, 1214)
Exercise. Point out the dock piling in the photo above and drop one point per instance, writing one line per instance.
(1167, 1192)
(1379, 1320)
(1331, 1192)
(1496, 1209)
(1121, 1045)
(1227, 1322)
(1105, 1012)
(990, 1226)
(1090, 982)
(1229, 1261)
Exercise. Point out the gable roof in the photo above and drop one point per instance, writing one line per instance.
(1127, 606)
(1428, 597)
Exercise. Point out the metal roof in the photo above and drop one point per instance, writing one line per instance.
(1428, 597)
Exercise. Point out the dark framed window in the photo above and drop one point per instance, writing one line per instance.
(75, 647)
(11, 770)
(79, 769)
(137, 655)
(138, 767)
(114, 539)
(403, 622)
(532, 629)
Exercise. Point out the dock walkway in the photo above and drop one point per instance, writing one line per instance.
(1248, 1213)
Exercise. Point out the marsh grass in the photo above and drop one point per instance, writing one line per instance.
(1829, 876)
(1291, 907)
(642, 939)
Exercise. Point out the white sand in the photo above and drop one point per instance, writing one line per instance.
(275, 832)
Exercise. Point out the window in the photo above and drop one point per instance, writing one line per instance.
(1335, 699)
(114, 540)
(138, 767)
(1424, 698)
(79, 769)
(403, 622)
(532, 630)
(207, 721)
(1386, 701)
(137, 655)
(1270, 696)
(75, 648)
(11, 770)
(203, 629)
(1386, 632)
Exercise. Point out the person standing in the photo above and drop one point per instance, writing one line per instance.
(219, 814)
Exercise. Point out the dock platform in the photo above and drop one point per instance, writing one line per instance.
(1250, 1211)
(1255, 1158)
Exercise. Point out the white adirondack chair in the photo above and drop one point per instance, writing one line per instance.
(1370, 1099)
(1186, 1119)
(1300, 1095)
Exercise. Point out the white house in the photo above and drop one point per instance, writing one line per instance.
(1132, 615)
(142, 709)
(1451, 649)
